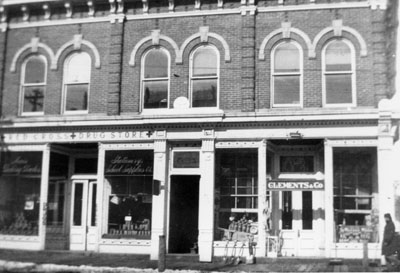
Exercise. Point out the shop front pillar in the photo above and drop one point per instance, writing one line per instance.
(262, 202)
(101, 197)
(206, 198)
(159, 207)
(329, 221)
(44, 185)
(386, 167)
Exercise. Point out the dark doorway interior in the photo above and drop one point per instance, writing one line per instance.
(184, 213)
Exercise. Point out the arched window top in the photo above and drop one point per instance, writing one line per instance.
(338, 56)
(156, 63)
(35, 69)
(287, 57)
(205, 61)
(77, 68)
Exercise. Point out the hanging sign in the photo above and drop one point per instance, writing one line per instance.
(131, 162)
(21, 163)
(294, 185)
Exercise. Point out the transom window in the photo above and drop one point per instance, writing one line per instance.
(204, 75)
(287, 75)
(33, 85)
(338, 74)
(77, 71)
(155, 78)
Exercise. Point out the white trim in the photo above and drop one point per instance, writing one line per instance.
(76, 42)
(274, 74)
(302, 34)
(142, 79)
(150, 38)
(204, 34)
(23, 85)
(355, 33)
(66, 84)
(352, 73)
(191, 77)
(33, 46)
(315, 6)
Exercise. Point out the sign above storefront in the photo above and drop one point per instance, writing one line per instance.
(73, 136)
(282, 185)
(130, 162)
(186, 160)
(21, 163)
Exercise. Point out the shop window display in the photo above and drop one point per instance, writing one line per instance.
(236, 191)
(130, 194)
(20, 193)
(355, 194)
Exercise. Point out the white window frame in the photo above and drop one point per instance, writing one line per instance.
(23, 85)
(143, 80)
(351, 72)
(300, 74)
(192, 78)
(66, 83)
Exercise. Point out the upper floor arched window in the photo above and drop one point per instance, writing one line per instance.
(33, 85)
(204, 74)
(77, 69)
(338, 74)
(155, 78)
(287, 78)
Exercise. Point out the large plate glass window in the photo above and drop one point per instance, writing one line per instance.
(33, 85)
(77, 71)
(355, 187)
(236, 190)
(338, 74)
(155, 78)
(129, 185)
(204, 75)
(287, 75)
(20, 193)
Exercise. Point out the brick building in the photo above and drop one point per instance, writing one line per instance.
(124, 120)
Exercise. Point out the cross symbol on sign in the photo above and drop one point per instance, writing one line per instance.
(149, 133)
(73, 135)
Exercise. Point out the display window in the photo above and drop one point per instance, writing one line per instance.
(355, 194)
(129, 184)
(20, 193)
(236, 190)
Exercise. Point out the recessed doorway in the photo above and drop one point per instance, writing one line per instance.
(184, 213)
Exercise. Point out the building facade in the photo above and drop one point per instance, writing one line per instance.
(272, 121)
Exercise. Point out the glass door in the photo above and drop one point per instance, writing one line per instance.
(83, 231)
(297, 223)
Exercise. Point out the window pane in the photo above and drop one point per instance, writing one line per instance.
(76, 98)
(296, 164)
(35, 70)
(286, 89)
(33, 99)
(78, 68)
(307, 211)
(78, 202)
(287, 58)
(204, 93)
(338, 88)
(205, 62)
(156, 64)
(338, 57)
(155, 94)
(93, 206)
(287, 212)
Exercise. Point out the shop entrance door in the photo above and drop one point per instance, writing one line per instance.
(184, 213)
(83, 231)
(297, 223)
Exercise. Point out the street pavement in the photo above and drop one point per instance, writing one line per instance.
(67, 261)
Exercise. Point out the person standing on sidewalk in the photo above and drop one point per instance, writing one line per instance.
(389, 244)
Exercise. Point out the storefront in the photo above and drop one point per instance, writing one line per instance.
(119, 191)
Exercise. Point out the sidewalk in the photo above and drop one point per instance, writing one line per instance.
(66, 261)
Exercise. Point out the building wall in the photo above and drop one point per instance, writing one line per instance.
(244, 80)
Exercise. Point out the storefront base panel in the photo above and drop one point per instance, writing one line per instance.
(20, 242)
(125, 246)
(355, 251)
